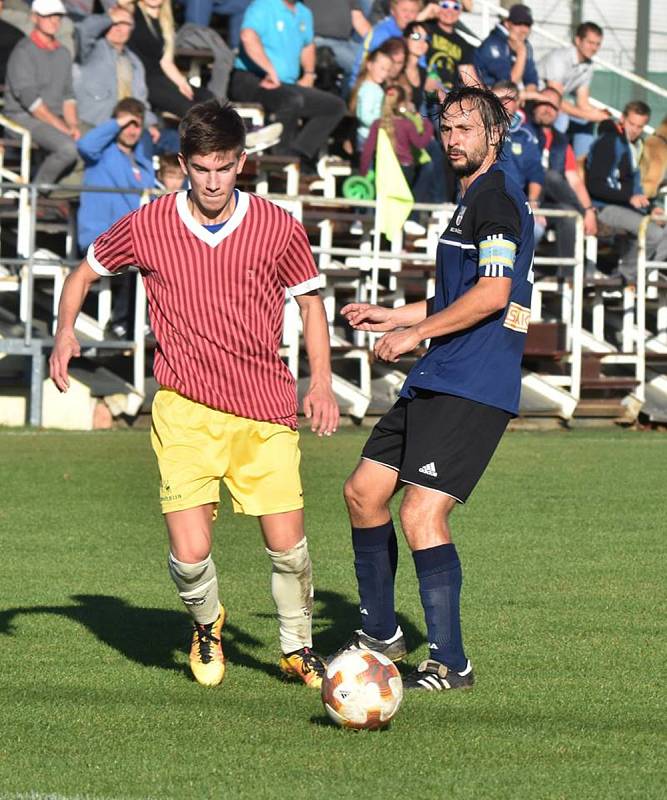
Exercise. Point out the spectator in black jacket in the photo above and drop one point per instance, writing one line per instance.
(613, 181)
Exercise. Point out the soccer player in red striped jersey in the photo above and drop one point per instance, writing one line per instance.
(216, 263)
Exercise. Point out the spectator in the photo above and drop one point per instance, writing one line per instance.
(19, 14)
(653, 163)
(570, 71)
(9, 38)
(564, 187)
(401, 13)
(334, 24)
(413, 77)
(520, 157)
(117, 154)
(39, 93)
(435, 182)
(613, 181)
(199, 12)
(403, 133)
(153, 40)
(109, 71)
(397, 50)
(367, 96)
(170, 177)
(276, 68)
(450, 57)
(506, 54)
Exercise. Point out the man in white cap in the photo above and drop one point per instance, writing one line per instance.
(39, 93)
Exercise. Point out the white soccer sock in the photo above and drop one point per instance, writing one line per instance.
(197, 585)
(292, 590)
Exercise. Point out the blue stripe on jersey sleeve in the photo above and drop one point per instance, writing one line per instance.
(496, 257)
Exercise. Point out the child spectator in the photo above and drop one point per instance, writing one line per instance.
(401, 125)
(170, 176)
(368, 93)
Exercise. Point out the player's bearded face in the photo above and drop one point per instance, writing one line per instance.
(464, 140)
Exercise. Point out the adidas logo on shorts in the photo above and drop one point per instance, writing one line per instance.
(429, 469)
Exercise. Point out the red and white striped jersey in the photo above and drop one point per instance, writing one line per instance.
(216, 300)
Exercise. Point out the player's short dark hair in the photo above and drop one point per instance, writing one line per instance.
(211, 127)
(491, 110)
(588, 27)
(129, 105)
(637, 107)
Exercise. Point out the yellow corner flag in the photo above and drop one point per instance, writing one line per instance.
(393, 195)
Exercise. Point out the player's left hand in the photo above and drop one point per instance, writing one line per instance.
(320, 407)
(393, 345)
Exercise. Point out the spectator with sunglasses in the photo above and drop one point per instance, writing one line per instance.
(450, 57)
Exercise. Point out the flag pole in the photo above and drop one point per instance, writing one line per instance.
(375, 264)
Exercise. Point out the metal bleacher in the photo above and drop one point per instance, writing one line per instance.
(596, 349)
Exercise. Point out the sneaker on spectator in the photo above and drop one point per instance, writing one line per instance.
(357, 228)
(263, 138)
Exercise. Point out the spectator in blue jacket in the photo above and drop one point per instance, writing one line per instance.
(613, 181)
(521, 157)
(116, 154)
(506, 54)
(401, 13)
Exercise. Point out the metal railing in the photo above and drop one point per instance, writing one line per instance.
(644, 265)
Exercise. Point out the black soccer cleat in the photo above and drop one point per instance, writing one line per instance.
(434, 677)
(394, 648)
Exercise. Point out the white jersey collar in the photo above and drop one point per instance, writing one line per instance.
(211, 239)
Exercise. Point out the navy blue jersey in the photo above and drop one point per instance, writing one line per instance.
(490, 235)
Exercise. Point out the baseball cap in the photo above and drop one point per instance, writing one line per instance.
(520, 15)
(47, 7)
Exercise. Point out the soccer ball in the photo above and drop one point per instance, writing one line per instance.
(362, 689)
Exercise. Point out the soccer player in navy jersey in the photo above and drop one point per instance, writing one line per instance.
(438, 438)
(216, 263)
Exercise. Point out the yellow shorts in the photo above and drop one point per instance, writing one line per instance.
(197, 446)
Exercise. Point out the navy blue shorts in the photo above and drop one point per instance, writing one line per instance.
(438, 441)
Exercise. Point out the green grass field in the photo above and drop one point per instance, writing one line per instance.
(563, 549)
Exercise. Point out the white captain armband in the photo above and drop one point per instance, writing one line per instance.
(496, 257)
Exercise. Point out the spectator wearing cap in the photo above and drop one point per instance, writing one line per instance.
(450, 57)
(334, 24)
(506, 54)
(570, 71)
(39, 94)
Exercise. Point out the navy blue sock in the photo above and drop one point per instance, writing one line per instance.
(375, 561)
(440, 578)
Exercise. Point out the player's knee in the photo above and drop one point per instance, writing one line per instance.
(354, 495)
(296, 560)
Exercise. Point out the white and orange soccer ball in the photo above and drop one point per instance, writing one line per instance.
(362, 689)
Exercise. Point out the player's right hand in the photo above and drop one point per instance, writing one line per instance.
(65, 347)
(365, 317)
